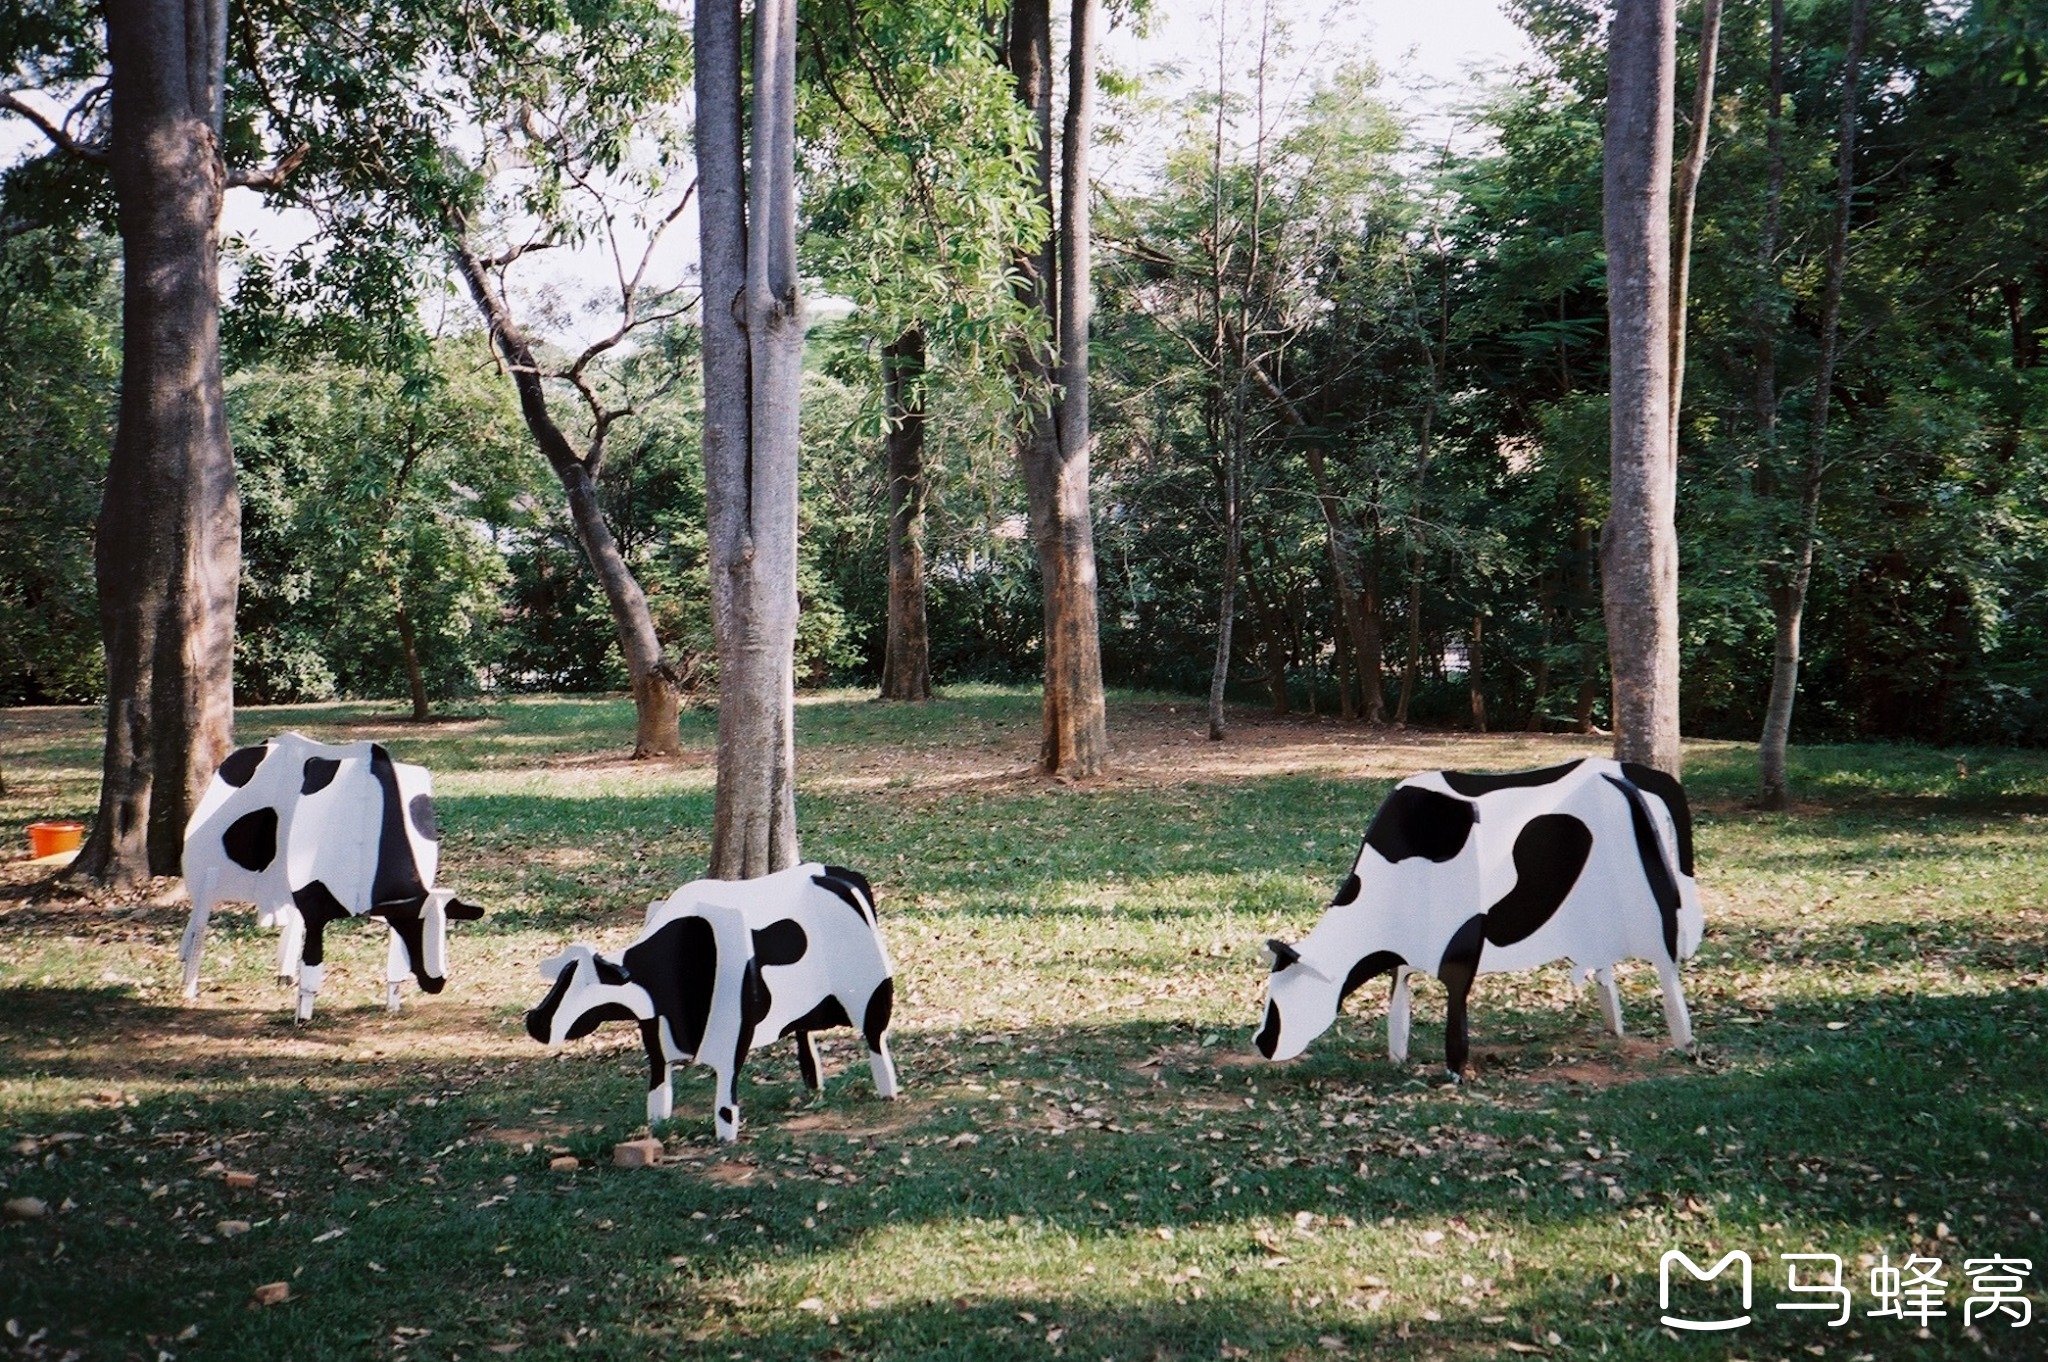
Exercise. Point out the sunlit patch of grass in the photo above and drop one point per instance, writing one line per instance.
(1086, 1161)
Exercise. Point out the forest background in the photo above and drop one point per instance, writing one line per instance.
(1337, 352)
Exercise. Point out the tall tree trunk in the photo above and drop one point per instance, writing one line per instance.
(753, 355)
(1689, 173)
(1226, 616)
(1764, 318)
(1412, 667)
(1788, 597)
(907, 658)
(168, 552)
(1475, 685)
(1546, 614)
(1639, 546)
(1054, 444)
(657, 698)
(408, 638)
(1368, 664)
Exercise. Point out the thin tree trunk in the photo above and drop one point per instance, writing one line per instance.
(1055, 443)
(1546, 612)
(1789, 597)
(415, 678)
(907, 659)
(1639, 546)
(1226, 615)
(1368, 664)
(168, 551)
(1475, 685)
(1411, 669)
(753, 353)
(1683, 202)
(1765, 322)
(657, 698)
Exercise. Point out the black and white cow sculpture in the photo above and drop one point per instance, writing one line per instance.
(1463, 874)
(311, 833)
(724, 967)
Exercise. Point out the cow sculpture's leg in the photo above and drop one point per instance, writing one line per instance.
(291, 944)
(397, 969)
(194, 943)
(1397, 1017)
(875, 1030)
(807, 1059)
(660, 1096)
(1610, 999)
(1676, 1018)
(1460, 965)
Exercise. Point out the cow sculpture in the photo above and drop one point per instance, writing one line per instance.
(724, 967)
(1462, 874)
(311, 833)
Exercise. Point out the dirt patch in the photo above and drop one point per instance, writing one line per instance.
(1628, 1060)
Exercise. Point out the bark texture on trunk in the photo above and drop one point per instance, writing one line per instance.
(1639, 546)
(657, 697)
(1054, 444)
(1475, 685)
(168, 554)
(1788, 598)
(907, 657)
(753, 356)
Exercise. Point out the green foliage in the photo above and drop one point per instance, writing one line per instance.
(364, 494)
(59, 364)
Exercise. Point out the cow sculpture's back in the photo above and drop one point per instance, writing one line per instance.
(1462, 874)
(311, 833)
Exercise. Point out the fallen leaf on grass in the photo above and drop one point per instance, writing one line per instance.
(271, 1293)
(1514, 1346)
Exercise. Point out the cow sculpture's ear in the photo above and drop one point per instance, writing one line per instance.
(551, 968)
(1280, 955)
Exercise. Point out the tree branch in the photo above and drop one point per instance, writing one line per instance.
(59, 137)
(271, 177)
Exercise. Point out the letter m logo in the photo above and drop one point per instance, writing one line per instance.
(1664, 1288)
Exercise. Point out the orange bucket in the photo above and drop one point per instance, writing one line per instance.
(54, 837)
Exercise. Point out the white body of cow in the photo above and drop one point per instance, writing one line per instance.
(1464, 874)
(301, 828)
(724, 967)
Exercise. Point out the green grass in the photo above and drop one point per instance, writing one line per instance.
(1087, 1161)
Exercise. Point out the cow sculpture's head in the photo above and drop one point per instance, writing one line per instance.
(589, 990)
(1302, 998)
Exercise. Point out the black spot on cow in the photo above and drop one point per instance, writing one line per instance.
(422, 811)
(318, 906)
(829, 1012)
(251, 840)
(1347, 892)
(1653, 781)
(854, 878)
(727, 1115)
(1550, 852)
(1419, 822)
(1651, 853)
(458, 911)
(874, 1022)
(608, 973)
(1282, 953)
(410, 926)
(1473, 784)
(397, 877)
(318, 774)
(843, 890)
(1268, 1039)
(541, 1018)
(678, 966)
(241, 765)
(1379, 962)
(781, 942)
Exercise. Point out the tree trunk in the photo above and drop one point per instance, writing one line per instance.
(1054, 441)
(168, 552)
(1474, 683)
(409, 640)
(1639, 546)
(1789, 597)
(1368, 664)
(753, 358)
(907, 658)
(657, 699)
(1689, 173)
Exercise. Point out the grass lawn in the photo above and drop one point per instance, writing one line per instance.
(1088, 1160)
